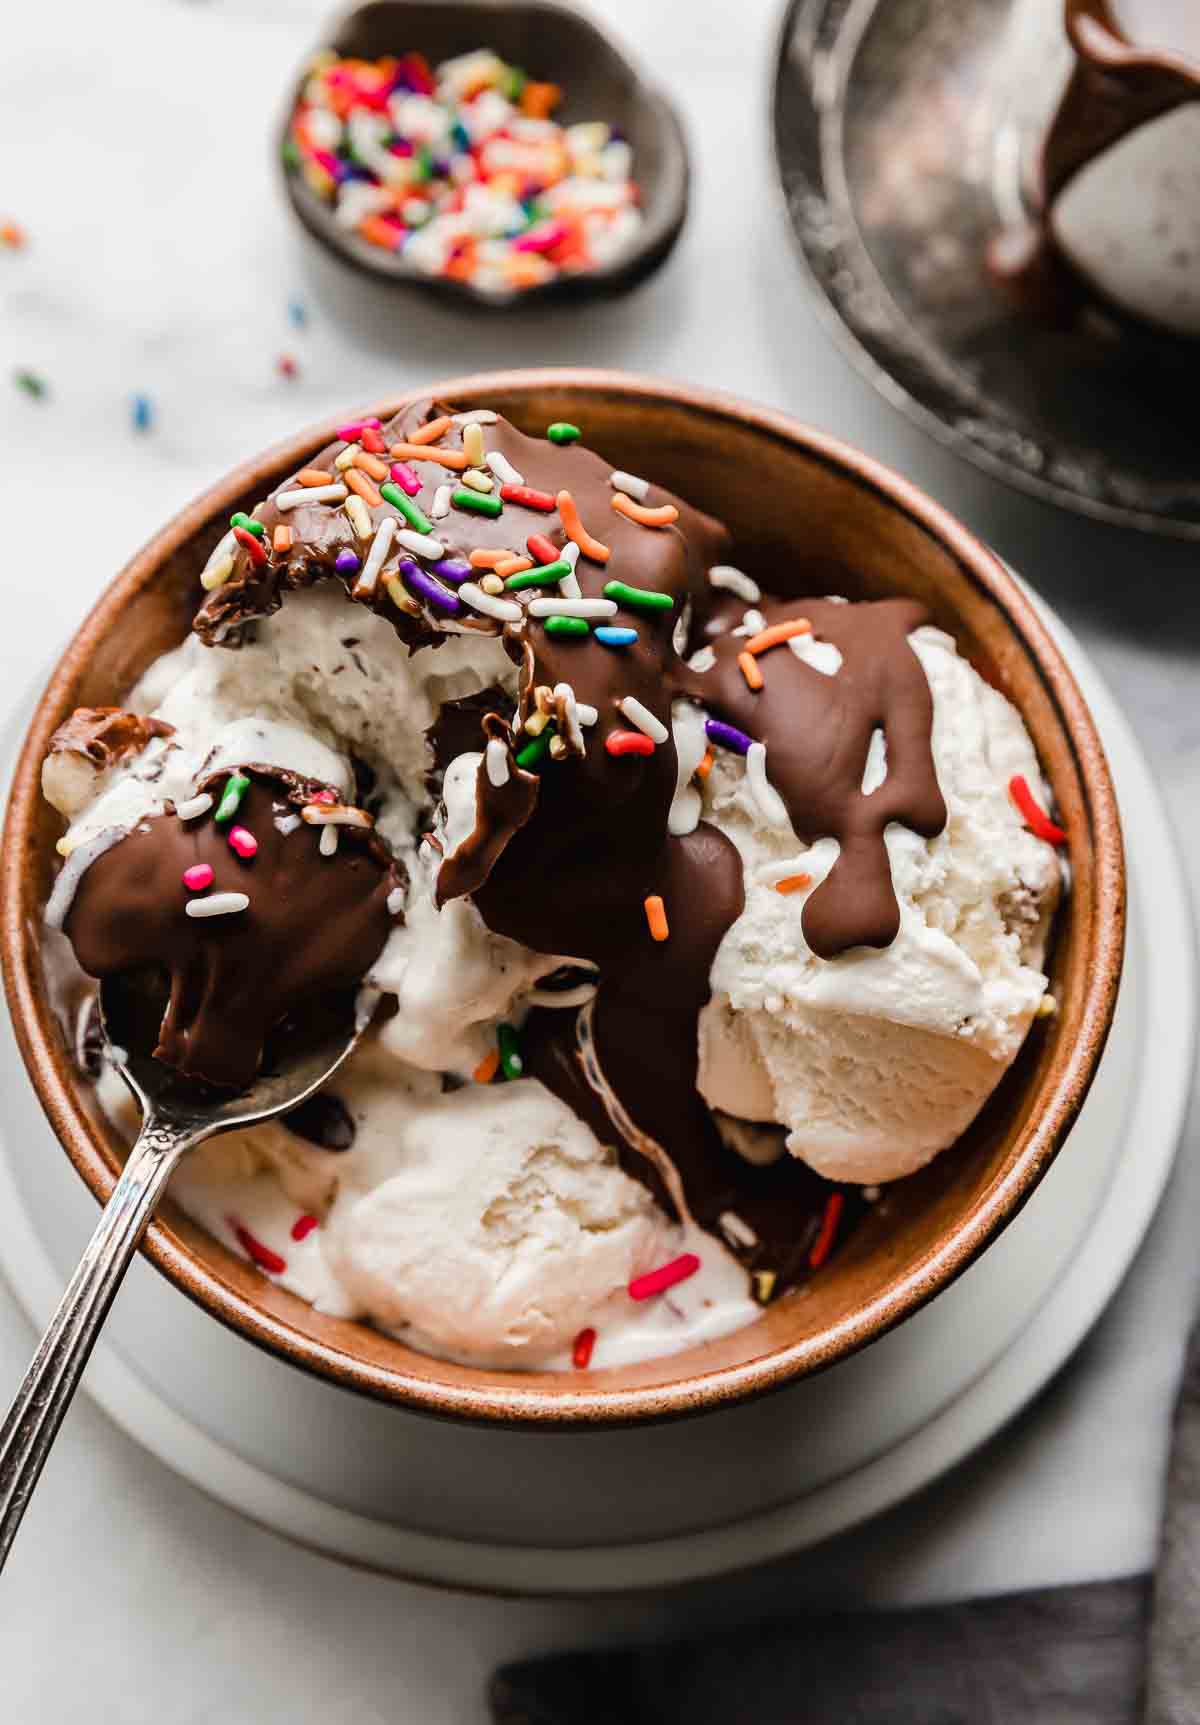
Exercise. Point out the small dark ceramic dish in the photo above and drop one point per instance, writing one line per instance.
(553, 43)
(850, 526)
(900, 159)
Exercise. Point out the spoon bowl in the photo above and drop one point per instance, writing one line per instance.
(176, 1116)
(555, 43)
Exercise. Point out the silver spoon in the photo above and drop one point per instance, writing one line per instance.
(175, 1118)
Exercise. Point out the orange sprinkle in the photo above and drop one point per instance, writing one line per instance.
(750, 670)
(793, 883)
(13, 236)
(487, 557)
(538, 101)
(776, 633)
(514, 566)
(487, 1068)
(377, 232)
(430, 433)
(705, 767)
(281, 539)
(359, 482)
(453, 458)
(569, 514)
(638, 512)
(314, 476)
(370, 464)
(829, 1225)
(656, 917)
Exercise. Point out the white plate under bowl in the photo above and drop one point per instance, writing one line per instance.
(582, 1512)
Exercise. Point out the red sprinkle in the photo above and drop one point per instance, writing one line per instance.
(372, 441)
(303, 1226)
(629, 743)
(257, 550)
(254, 1248)
(666, 1276)
(1035, 818)
(829, 1227)
(528, 498)
(581, 1352)
(545, 550)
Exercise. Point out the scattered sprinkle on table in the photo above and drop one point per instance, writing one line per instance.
(141, 411)
(32, 384)
(462, 171)
(12, 236)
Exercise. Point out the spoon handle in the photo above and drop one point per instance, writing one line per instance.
(38, 1408)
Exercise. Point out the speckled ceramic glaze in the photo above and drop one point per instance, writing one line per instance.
(788, 494)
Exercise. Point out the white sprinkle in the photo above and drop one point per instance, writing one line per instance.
(737, 1232)
(497, 762)
(704, 660)
(335, 815)
(573, 608)
(216, 574)
(871, 1194)
(569, 553)
(440, 506)
(376, 556)
(477, 416)
(310, 494)
(472, 441)
(644, 719)
(503, 468)
(329, 841)
(631, 485)
(478, 481)
(358, 513)
(287, 824)
(395, 901)
(771, 805)
(218, 904)
(347, 457)
(752, 623)
(733, 581)
(570, 710)
(194, 806)
(420, 544)
(587, 714)
(507, 610)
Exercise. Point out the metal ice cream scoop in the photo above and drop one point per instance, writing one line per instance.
(176, 1116)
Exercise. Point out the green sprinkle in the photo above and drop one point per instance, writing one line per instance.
(240, 519)
(536, 750)
(561, 432)
(236, 787)
(476, 501)
(638, 598)
(545, 576)
(290, 152)
(31, 383)
(568, 626)
(511, 1064)
(416, 518)
(514, 83)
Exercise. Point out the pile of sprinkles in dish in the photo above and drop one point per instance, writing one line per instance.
(462, 169)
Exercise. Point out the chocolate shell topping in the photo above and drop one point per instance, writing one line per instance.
(568, 847)
(314, 925)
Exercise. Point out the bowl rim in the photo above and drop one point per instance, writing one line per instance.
(608, 281)
(524, 1404)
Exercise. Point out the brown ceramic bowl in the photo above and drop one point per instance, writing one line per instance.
(860, 530)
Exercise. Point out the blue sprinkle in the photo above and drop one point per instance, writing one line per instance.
(614, 637)
(143, 413)
(297, 313)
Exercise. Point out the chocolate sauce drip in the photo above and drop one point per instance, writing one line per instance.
(314, 926)
(105, 735)
(817, 731)
(1114, 89)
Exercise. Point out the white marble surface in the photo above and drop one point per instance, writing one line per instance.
(161, 260)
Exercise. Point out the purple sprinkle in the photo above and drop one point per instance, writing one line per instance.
(346, 563)
(452, 569)
(727, 736)
(433, 591)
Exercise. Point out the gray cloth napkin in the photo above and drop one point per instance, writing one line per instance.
(1110, 1653)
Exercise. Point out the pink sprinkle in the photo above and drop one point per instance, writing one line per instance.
(196, 878)
(243, 842)
(666, 1276)
(303, 1226)
(405, 478)
(350, 433)
(541, 239)
(324, 797)
(254, 1249)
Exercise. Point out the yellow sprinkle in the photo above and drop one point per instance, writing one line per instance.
(217, 575)
(764, 1285)
(359, 514)
(64, 846)
(476, 480)
(536, 723)
(400, 596)
(346, 458)
(491, 584)
(1047, 1007)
